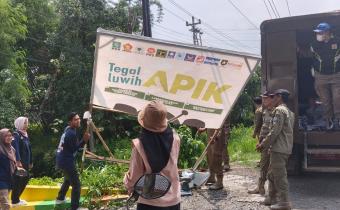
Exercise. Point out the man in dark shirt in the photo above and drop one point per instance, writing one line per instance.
(68, 147)
(326, 70)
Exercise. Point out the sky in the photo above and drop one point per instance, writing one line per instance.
(230, 24)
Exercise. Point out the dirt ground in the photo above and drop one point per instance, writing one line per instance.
(307, 192)
(313, 191)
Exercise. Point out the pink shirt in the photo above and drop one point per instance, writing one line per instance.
(139, 165)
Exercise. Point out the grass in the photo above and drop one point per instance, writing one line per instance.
(242, 146)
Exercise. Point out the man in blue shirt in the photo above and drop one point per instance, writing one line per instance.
(326, 70)
(70, 144)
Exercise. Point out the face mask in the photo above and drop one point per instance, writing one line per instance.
(320, 37)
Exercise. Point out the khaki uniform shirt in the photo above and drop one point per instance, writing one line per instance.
(258, 121)
(280, 137)
(266, 119)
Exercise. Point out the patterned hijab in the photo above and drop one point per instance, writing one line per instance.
(7, 149)
(19, 124)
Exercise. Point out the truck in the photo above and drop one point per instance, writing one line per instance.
(282, 40)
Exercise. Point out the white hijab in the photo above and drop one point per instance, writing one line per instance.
(19, 125)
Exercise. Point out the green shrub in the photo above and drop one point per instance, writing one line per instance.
(45, 180)
(191, 148)
(101, 178)
(242, 146)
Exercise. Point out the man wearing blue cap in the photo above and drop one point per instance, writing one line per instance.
(326, 70)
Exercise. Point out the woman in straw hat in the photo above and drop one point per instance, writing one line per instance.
(7, 166)
(155, 151)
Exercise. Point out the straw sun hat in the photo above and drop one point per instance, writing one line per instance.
(153, 117)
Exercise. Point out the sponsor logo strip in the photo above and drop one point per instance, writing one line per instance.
(133, 93)
(203, 109)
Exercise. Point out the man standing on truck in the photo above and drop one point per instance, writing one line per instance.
(280, 142)
(266, 116)
(326, 70)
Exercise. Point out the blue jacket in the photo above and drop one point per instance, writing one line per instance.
(23, 151)
(66, 156)
(5, 172)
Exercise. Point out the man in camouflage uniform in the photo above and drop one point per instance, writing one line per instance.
(215, 153)
(257, 117)
(280, 141)
(264, 162)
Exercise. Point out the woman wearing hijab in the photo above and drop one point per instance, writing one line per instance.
(23, 156)
(7, 166)
(155, 151)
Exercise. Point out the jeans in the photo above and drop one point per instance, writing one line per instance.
(4, 204)
(71, 177)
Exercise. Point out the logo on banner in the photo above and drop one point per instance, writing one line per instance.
(151, 51)
(139, 50)
(127, 47)
(224, 62)
(212, 61)
(116, 45)
(200, 59)
(235, 65)
(190, 57)
(180, 56)
(171, 54)
(161, 53)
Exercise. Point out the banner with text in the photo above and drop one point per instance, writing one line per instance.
(130, 71)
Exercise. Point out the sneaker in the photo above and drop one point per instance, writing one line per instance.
(20, 203)
(60, 201)
(82, 208)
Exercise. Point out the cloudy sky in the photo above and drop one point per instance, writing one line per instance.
(231, 24)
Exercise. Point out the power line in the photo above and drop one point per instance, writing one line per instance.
(288, 8)
(277, 12)
(175, 34)
(238, 9)
(172, 37)
(212, 28)
(272, 8)
(174, 14)
(264, 1)
(171, 30)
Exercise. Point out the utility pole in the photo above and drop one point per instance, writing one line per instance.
(196, 32)
(146, 18)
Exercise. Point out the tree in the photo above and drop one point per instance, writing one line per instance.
(14, 93)
(75, 39)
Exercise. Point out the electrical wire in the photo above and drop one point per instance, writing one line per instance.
(264, 1)
(238, 9)
(277, 12)
(273, 10)
(288, 8)
(230, 39)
